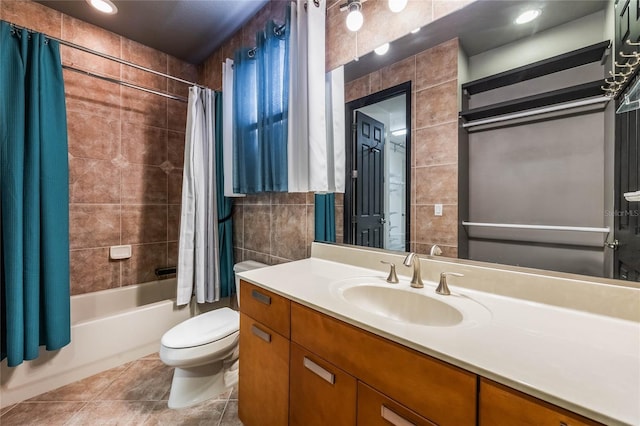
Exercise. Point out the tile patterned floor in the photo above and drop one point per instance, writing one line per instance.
(132, 394)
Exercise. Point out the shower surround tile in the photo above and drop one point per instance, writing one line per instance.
(92, 270)
(144, 185)
(153, 152)
(94, 225)
(33, 16)
(144, 224)
(145, 258)
(93, 136)
(93, 181)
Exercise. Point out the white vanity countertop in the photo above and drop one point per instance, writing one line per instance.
(586, 363)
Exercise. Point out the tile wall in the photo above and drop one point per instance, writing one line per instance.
(434, 138)
(126, 151)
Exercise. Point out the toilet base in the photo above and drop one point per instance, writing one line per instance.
(193, 385)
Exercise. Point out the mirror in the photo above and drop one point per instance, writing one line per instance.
(379, 156)
(488, 44)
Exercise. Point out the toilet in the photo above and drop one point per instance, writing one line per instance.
(204, 351)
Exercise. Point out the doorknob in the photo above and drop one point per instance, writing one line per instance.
(613, 245)
(383, 220)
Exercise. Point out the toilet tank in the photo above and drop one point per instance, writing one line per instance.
(247, 265)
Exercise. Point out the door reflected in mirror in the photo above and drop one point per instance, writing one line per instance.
(378, 157)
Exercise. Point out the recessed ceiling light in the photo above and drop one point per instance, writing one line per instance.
(528, 16)
(104, 6)
(415, 31)
(381, 50)
(397, 5)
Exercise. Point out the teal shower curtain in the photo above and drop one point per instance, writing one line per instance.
(34, 198)
(225, 206)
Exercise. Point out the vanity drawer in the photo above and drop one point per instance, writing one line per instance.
(435, 390)
(320, 393)
(501, 405)
(375, 409)
(266, 307)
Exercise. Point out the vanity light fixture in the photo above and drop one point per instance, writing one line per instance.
(381, 50)
(397, 5)
(354, 17)
(104, 6)
(528, 16)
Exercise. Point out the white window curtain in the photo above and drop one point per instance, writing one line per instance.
(316, 159)
(198, 259)
(227, 126)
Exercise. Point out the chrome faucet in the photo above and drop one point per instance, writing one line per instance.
(443, 288)
(416, 279)
(435, 250)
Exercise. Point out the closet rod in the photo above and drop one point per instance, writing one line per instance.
(537, 111)
(537, 227)
(124, 83)
(111, 58)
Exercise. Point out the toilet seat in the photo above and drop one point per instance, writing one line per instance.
(203, 329)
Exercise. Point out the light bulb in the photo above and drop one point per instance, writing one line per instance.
(397, 5)
(104, 6)
(528, 16)
(355, 20)
(381, 50)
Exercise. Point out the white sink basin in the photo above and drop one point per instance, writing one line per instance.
(404, 304)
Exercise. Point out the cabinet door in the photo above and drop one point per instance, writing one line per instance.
(376, 409)
(265, 306)
(500, 405)
(263, 389)
(321, 394)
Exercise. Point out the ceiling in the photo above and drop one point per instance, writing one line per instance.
(193, 29)
(187, 29)
(480, 26)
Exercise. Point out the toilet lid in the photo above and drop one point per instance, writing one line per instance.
(202, 329)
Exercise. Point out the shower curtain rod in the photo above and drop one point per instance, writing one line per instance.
(112, 58)
(124, 83)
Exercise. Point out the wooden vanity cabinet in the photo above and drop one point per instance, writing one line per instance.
(500, 405)
(320, 393)
(264, 356)
(437, 391)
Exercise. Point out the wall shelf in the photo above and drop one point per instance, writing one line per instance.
(567, 94)
(557, 63)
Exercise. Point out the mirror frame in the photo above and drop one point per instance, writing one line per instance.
(401, 89)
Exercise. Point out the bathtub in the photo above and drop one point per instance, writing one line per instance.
(108, 328)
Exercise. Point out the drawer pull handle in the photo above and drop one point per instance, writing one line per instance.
(394, 418)
(261, 334)
(262, 298)
(315, 368)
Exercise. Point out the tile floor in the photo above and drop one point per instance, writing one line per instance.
(132, 394)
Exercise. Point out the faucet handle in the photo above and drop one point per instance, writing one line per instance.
(443, 288)
(393, 277)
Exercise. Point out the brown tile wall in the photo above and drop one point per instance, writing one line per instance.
(126, 151)
(434, 162)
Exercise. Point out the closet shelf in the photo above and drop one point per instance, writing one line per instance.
(562, 62)
(568, 94)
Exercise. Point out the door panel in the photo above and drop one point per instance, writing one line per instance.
(627, 214)
(369, 197)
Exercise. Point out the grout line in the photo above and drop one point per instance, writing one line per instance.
(224, 410)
